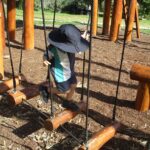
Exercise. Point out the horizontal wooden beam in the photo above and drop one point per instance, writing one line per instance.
(8, 84)
(18, 97)
(101, 137)
(63, 117)
(140, 73)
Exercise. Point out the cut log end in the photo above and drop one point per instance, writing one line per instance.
(16, 97)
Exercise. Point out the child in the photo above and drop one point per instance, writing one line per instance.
(64, 43)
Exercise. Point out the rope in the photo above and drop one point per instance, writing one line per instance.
(48, 76)
(120, 68)
(83, 71)
(9, 49)
(88, 81)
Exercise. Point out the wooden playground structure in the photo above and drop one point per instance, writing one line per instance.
(138, 72)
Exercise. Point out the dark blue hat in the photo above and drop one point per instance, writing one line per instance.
(68, 38)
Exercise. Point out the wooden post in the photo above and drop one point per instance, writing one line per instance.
(101, 137)
(11, 15)
(95, 17)
(116, 20)
(131, 18)
(8, 84)
(142, 74)
(143, 97)
(3, 27)
(137, 22)
(63, 117)
(1, 42)
(29, 25)
(106, 18)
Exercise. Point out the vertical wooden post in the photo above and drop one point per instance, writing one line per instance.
(143, 97)
(131, 16)
(116, 19)
(29, 24)
(11, 15)
(106, 18)
(1, 41)
(137, 22)
(95, 17)
(3, 32)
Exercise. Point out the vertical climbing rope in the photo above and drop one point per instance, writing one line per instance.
(46, 45)
(89, 76)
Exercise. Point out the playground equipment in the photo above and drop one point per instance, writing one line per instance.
(101, 137)
(141, 73)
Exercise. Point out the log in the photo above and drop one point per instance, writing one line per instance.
(29, 25)
(95, 17)
(131, 20)
(137, 22)
(8, 84)
(1, 41)
(143, 97)
(106, 18)
(140, 73)
(18, 97)
(11, 15)
(116, 20)
(63, 117)
(101, 137)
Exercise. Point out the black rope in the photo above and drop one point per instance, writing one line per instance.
(54, 16)
(48, 76)
(22, 42)
(121, 63)
(9, 48)
(89, 76)
(83, 71)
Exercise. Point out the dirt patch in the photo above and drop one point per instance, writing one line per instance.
(19, 126)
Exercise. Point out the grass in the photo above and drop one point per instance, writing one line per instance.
(78, 20)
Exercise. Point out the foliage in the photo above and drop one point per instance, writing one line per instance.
(145, 8)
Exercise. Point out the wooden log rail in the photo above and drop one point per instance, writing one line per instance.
(142, 74)
(8, 84)
(18, 97)
(63, 117)
(101, 137)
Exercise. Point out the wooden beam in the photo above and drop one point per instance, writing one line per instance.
(131, 17)
(18, 97)
(1, 41)
(140, 73)
(29, 25)
(101, 137)
(8, 84)
(137, 22)
(143, 97)
(106, 18)
(116, 20)
(95, 17)
(63, 117)
(11, 16)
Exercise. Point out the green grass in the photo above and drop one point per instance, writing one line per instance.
(79, 20)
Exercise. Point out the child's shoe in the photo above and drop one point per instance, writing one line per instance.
(44, 93)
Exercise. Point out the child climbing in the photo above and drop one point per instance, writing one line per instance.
(64, 42)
